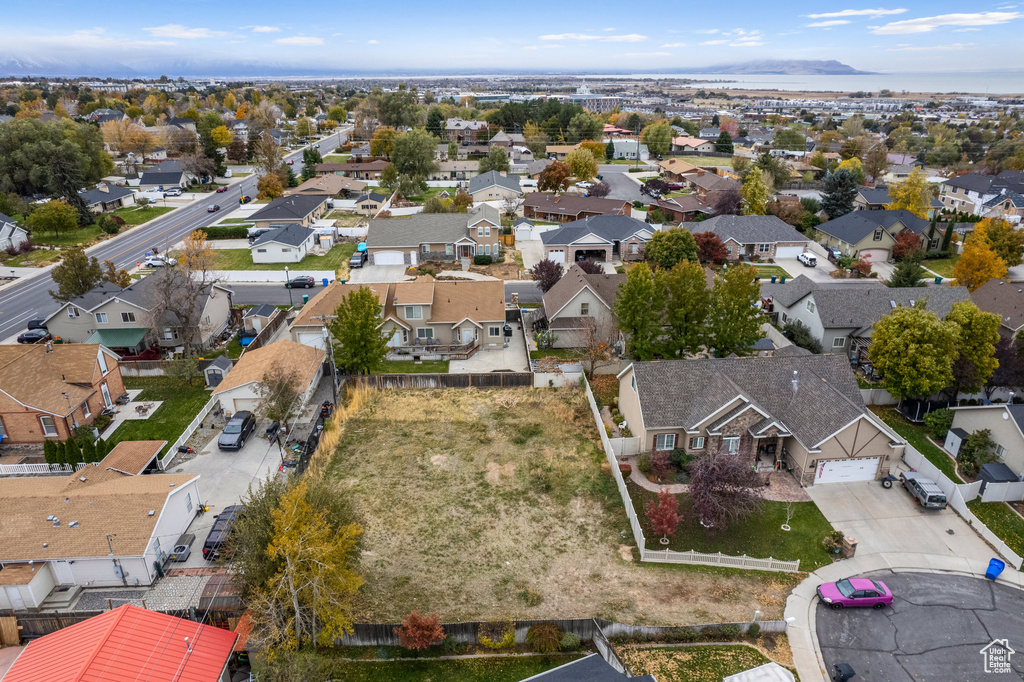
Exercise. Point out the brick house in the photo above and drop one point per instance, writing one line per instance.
(602, 238)
(803, 413)
(681, 209)
(760, 236)
(560, 208)
(46, 389)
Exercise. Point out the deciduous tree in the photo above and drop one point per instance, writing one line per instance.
(978, 264)
(597, 341)
(1009, 372)
(855, 167)
(413, 153)
(914, 351)
(383, 141)
(269, 187)
(75, 275)
(279, 393)
(119, 277)
(663, 514)
(912, 194)
(418, 632)
(724, 488)
(554, 178)
(710, 248)
(56, 217)
(596, 148)
(735, 320)
(600, 190)
(637, 311)
(876, 161)
(755, 193)
(908, 243)
(546, 273)
(687, 304)
(1005, 239)
(657, 137)
(668, 247)
(979, 333)
(582, 163)
(185, 367)
(222, 136)
(360, 345)
(496, 160)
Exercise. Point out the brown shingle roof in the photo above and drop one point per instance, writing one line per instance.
(328, 184)
(106, 502)
(1005, 299)
(131, 456)
(418, 292)
(573, 204)
(480, 301)
(254, 364)
(329, 298)
(37, 378)
(573, 281)
(18, 574)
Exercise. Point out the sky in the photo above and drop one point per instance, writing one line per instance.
(472, 37)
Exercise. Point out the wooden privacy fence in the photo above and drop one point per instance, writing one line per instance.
(279, 319)
(152, 368)
(671, 556)
(493, 380)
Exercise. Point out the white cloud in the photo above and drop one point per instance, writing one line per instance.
(832, 22)
(904, 47)
(965, 30)
(183, 32)
(300, 40)
(372, 42)
(642, 55)
(628, 38)
(84, 39)
(858, 13)
(746, 43)
(541, 47)
(607, 29)
(928, 24)
(714, 42)
(708, 30)
(674, 45)
(570, 36)
(263, 29)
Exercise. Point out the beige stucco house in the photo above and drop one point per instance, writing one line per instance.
(442, 237)
(1006, 422)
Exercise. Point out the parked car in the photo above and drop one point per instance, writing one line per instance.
(834, 254)
(290, 162)
(855, 592)
(216, 541)
(238, 428)
(221, 190)
(213, 209)
(173, 192)
(37, 323)
(300, 283)
(158, 261)
(808, 259)
(923, 490)
(244, 199)
(34, 336)
(584, 185)
(357, 260)
(675, 186)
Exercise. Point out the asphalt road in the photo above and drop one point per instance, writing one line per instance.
(30, 298)
(935, 630)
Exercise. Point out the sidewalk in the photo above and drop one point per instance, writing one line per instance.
(799, 612)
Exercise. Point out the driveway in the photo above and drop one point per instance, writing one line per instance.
(378, 273)
(819, 273)
(514, 358)
(935, 630)
(889, 522)
(532, 250)
(622, 186)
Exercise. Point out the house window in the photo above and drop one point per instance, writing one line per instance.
(127, 317)
(49, 428)
(426, 248)
(286, 250)
(633, 382)
(405, 336)
(101, 318)
(480, 231)
(728, 249)
(784, 318)
(86, 412)
(425, 333)
(839, 342)
(878, 235)
(810, 306)
(494, 331)
(72, 312)
(413, 312)
(487, 230)
(764, 248)
(169, 334)
(188, 501)
(1000, 452)
(665, 441)
(697, 443)
(730, 444)
(584, 309)
(449, 249)
(207, 319)
(933, 244)
(3, 429)
(634, 249)
(261, 250)
(487, 249)
(103, 363)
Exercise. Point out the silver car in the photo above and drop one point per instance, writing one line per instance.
(923, 490)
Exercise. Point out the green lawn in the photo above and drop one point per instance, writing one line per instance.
(408, 367)
(83, 236)
(234, 221)
(432, 192)
(337, 158)
(766, 271)
(943, 266)
(917, 435)
(1001, 520)
(232, 350)
(691, 663)
(760, 536)
(32, 259)
(567, 353)
(136, 215)
(241, 259)
(312, 667)
(181, 404)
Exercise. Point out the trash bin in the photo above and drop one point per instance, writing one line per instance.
(938, 280)
(995, 567)
(325, 281)
(782, 279)
(305, 299)
(774, 277)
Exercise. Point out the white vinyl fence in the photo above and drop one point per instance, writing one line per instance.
(1003, 492)
(187, 433)
(40, 469)
(960, 505)
(668, 555)
(624, 447)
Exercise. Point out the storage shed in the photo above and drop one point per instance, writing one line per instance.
(217, 370)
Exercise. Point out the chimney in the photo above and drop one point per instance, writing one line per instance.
(796, 381)
(103, 188)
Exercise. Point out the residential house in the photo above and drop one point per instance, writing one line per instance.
(301, 209)
(157, 155)
(97, 527)
(432, 318)
(494, 186)
(434, 236)
(361, 152)
(46, 390)
(601, 238)
(691, 145)
(369, 170)
(675, 169)
(971, 192)
(370, 204)
(1005, 299)
(681, 209)
(535, 168)
(899, 172)
(308, 326)
(12, 235)
(577, 303)
(1004, 421)
(877, 198)
(107, 198)
(100, 116)
(463, 132)
(122, 319)
(331, 185)
(842, 317)
(708, 185)
(803, 413)
(755, 236)
(183, 123)
(553, 207)
(288, 243)
(240, 389)
(871, 234)
(558, 152)
(455, 170)
(711, 133)
(1008, 205)
(441, 152)
(630, 149)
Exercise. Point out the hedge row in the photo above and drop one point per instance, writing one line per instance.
(226, 231)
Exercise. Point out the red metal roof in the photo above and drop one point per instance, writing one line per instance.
(127, 644)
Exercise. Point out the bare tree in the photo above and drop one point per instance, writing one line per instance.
(510, 204)
(181, 290)
(597, 342)
(266, 157)
(279, 393)
(724, 489)
(180, 142)
(199, 165)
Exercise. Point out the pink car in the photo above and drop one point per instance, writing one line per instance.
(850, 592)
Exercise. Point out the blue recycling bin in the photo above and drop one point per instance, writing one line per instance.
(995, 567)
(774, 277)
(325, 281)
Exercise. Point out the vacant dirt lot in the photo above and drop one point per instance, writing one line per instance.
(491, 504)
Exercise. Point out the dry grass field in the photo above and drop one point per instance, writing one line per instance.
(492, 504)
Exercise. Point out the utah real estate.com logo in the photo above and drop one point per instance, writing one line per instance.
(997, 656)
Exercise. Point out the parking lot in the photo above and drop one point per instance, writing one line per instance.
(935, 629)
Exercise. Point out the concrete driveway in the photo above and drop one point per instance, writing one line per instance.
(935, 630)
(889, 522)
(819, 273)
(623, 186)
(532, 250)
(378, 273)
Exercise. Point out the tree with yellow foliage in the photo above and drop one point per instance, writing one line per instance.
(229, 101)
(222, 136)
(242, 112)
(383, 141)
(1003, 238)
(978, 264)
(269, 187)
(755, 193)
(309, 599)
(912, 194)
(854, 165)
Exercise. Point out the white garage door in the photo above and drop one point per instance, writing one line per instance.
(874, 255)
(313, 339)
(846, 470)
(788, 251)
(389, 258)
(246, 404)
(556, 256)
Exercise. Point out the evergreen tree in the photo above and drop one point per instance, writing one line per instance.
(947, 238)
(50, 452)
(609, 151)
(60, 455)
(838, 193)
(89, 451)
(908, 273)
(73, 452)
(724, 143)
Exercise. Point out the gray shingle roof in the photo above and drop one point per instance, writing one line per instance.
(974, 182)
(860, 307)
(420, 228)
(291, 234)
(490, 178)
(856, 225)
(5, 219)
(160, 178)
(608, 227)
(95, 196)
(262, 310)
(750, 229)
(372, 196)
(683, 393)
(591, 668)
(292, 207)
(604, 286)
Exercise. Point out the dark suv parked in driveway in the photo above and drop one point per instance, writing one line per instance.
(237, 430)
(216, 541)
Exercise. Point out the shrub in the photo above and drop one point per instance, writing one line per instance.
(531, 596)
(226, 232)
(545, 638)
(102, 421)
(679, 458)
(624, 468)
(482, 260)
(419, 632)
(643, 463)
(608, 430)
(686, 634)
(730, 631)
(570, 642)
(754, 630)
(833, 541)
(453, 647)
(938, 422)
(109, 225)
(712, 633)
(498, 635)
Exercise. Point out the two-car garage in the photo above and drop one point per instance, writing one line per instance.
(391, 258)
(846, 470)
